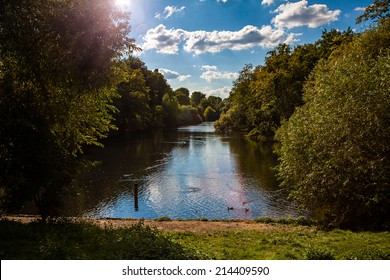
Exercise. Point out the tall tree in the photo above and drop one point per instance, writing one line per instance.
(196, 98)
(334, 154)
(264, 96)
(56, 78)
(183, 96)
(379, 12)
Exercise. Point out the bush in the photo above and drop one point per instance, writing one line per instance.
(334, 152)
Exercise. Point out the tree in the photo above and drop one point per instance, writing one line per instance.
(171, 108)
(264, 96)
(210, 114)
(134, 112)
(183, 96)
(234, 119)
(56, 90)
(331, 40)
(188, 116)
(379, 12)
(334, 154)
(196, 98)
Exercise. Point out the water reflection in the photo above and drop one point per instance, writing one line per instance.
(187, 173)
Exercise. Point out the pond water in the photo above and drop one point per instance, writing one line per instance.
(188, 173)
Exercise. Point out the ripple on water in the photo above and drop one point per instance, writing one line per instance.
(210, 177)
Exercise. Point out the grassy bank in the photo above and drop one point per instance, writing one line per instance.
(81, 240)
(288, 242)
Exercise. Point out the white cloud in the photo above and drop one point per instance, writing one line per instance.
(209, 67)
(223, 1)
(164, 40)
(169, 11)
(220, 92)
(167, 40)
(267, 2)
(216, 41)
(300, 14)
(292, 38)
(173, 75)
(211, 75)
(360, 9)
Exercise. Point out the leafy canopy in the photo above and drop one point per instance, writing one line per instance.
(334, 154)
(56, 90)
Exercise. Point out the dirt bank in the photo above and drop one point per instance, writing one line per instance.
(191, 226)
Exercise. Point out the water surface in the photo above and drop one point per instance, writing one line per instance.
(186, 173)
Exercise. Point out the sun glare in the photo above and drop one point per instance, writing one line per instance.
(122, 3)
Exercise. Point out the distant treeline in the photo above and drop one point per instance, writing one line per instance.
(146, 100)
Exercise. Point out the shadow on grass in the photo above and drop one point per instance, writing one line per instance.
(79, 240)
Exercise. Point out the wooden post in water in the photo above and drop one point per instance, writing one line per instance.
(135, 192)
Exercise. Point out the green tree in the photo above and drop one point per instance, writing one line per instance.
(264, 96)
(171, 107)
(188, 115)
(153, 84)
(183, 96)
(134, 112)
(210, 114)
(158, 86)
(56, 78)
(379, 12)
(234, 119)
(334, 154)
(196, 98)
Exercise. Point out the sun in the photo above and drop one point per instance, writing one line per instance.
(122, 3)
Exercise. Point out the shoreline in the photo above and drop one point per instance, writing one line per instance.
(196, 226)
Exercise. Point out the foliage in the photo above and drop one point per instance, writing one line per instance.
(134, 112)
(264, 96)
(56, 60)
(188, 115)
(234, 119)
(379, 12)
(183, 96)
(196, 98)
(171, 106)
(210, 114)
(67, 240)
(334, 154)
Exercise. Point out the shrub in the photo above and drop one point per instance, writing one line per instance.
(334, 152)
(67, 240)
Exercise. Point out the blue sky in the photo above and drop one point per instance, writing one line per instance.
(203, 44)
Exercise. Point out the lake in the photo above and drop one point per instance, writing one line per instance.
(186, 173)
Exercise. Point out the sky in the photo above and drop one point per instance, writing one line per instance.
(203, 44)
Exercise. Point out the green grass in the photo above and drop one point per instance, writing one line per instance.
(70, 240)
(289, 242)
(80, 240)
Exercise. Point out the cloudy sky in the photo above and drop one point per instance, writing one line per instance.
(203, 44)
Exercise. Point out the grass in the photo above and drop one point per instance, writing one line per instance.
(288, 242)
(81, 240)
